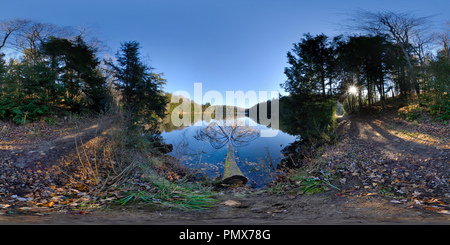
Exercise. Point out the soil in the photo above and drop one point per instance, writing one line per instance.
(373, 144)
(254, 208)
(26, 145)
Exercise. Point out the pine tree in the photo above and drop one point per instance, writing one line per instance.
(141, 89)
(76, 64)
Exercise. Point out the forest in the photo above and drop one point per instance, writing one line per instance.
(383, 58)
(393, 57)
(387, 55)
(58, 71)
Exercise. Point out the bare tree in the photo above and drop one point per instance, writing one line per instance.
(400, 26)
(92, 37)
(26, 35)
(36, 32)
(10, 27)
(423, 47)
(443, 39)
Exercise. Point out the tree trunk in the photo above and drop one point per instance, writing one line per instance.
(323, 86)
(331, 85)
(412, 75)
(381, 89)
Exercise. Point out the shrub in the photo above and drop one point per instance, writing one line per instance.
(308, 116)
(441, 109)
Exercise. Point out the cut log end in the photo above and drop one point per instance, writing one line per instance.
(235, 180)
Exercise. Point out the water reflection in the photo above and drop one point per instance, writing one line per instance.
(235, 132)
(203, 147)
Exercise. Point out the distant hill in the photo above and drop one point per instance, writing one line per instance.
(267, 104)
(198, 107)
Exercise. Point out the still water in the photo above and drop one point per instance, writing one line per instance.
(204, 147)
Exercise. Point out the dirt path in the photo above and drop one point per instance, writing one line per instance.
(31, 174)
(416, 156)
(395, 172)
(374, 133)
(254, 208)
(44, 144)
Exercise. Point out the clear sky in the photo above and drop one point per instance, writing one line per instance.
(226, 45)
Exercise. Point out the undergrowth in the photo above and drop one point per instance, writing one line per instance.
(182, 195)
(438, 108)
(131, 167)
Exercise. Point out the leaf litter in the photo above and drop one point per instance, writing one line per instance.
(391, 157)
(404, 162)
(78, 170)
(53, 178)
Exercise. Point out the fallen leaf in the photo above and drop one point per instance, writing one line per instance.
(433, 208)
(4, 205)
(372, 194)
(230, 202)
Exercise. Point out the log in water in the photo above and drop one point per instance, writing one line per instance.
(232, 176)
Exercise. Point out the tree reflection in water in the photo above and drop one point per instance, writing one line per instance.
(234, 132)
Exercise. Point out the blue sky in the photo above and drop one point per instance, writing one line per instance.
(225, 45)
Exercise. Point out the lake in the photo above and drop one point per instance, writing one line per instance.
(203, 147)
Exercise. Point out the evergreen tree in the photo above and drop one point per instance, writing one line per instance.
(141, 89)
(367, 60)
(76, 64)
(311, 63)
(309, 111)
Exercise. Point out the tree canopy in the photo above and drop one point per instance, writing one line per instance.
(60, 73)
(390, 58)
